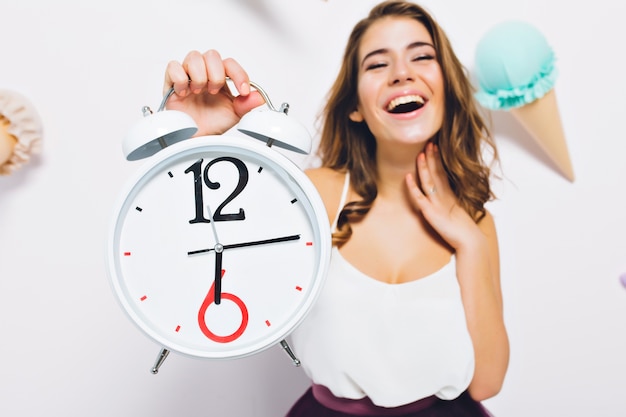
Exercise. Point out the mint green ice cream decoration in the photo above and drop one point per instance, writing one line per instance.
(514, 65)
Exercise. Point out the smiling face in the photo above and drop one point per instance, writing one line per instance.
(400, 82)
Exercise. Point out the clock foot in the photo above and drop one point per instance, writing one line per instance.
(285, 346)
(159, 361)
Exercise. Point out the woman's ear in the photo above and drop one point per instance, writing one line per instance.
(356, 116)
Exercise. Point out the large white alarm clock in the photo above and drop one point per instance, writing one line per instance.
(218, 246)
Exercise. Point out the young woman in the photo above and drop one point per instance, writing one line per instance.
(410, 321)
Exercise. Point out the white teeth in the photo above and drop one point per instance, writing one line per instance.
(404, 100)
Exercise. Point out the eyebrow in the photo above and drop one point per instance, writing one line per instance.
(386, 50)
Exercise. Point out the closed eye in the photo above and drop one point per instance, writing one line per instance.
(424, 58)
(375, 65)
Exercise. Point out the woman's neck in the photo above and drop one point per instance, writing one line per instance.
(392, 168)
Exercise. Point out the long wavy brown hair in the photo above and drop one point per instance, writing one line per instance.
(350, 146)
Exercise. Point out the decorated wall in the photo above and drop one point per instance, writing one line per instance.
(67, 348)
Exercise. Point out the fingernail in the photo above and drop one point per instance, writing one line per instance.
(244, 88)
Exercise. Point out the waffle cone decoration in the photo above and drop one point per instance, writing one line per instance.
(516, 73)
(542, 121)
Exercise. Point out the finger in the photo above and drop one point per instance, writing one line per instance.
(435, 167)
(176, 76)
(436, 164)
(214, 70)
(440, 176)
(431, 159)
(238, 76)
(412, 185)
(425, 175)
(196, 70)
(243, 104)
(418, 199)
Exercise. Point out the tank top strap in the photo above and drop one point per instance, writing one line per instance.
(342, 201)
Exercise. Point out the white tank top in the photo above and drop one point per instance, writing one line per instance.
(393, 343)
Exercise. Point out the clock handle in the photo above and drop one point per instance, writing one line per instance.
(159, 361)
(285, 346)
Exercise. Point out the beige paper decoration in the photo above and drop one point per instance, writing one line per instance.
(20, 131)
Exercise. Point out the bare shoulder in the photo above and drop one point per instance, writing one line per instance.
(488, 225)
(329, 184)
(325, 177)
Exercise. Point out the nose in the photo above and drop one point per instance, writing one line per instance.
(400, 73)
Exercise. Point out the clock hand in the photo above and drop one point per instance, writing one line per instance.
(212, 223)
(218, 274)
(262, 242)
(251, 243)
(218, 260)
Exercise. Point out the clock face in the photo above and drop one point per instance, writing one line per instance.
(218, 247)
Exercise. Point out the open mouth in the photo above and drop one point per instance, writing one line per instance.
(405, 104)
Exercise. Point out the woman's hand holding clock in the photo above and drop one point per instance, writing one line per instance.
(201, 91)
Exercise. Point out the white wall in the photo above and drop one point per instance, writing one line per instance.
(67, 348)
